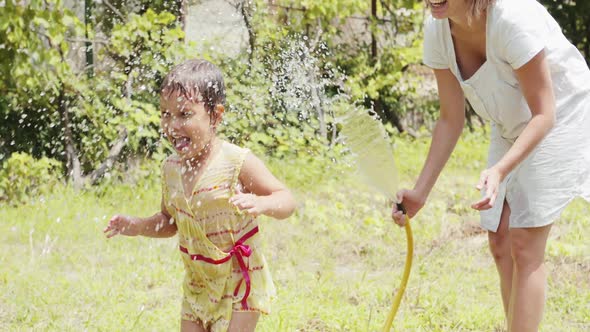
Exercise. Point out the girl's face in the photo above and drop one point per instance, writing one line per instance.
(447, 8)
(187, 124)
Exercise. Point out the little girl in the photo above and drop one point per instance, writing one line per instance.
(212, 192)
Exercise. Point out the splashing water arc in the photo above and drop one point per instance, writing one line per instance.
(368, 141)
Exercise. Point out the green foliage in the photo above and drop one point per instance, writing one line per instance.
(36, 79)
(106, 16)
(282, 103)
(383, 81)
(388, 84)
(23, 177)
(315, 53)
(142, 50)
(145, 45)
(308, 15)
(309, 59)
(44, 92)
(574, 19)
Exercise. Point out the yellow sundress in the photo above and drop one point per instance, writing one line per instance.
(225, 270)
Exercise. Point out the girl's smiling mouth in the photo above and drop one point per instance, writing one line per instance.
(181, 142)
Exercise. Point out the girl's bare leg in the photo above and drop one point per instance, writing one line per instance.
(243, 321)
(190, 326)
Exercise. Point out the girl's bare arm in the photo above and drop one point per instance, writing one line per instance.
(265, 194)
(159, 225)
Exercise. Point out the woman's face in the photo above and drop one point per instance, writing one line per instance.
(447, 8)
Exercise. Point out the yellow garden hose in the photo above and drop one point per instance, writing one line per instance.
(407, 268)
(369, 143)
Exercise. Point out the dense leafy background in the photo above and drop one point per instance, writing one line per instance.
(80, 134)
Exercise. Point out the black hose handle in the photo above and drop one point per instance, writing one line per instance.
(400, 207)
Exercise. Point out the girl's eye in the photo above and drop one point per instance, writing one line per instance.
(186, 114)
(165, 114)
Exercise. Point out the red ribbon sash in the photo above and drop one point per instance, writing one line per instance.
(239, 250)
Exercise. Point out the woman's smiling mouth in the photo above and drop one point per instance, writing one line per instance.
(437, 3)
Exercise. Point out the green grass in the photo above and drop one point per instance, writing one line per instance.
(336, 262)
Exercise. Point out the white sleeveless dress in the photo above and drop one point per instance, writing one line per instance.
(558, 169)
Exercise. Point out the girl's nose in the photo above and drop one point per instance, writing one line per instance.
(175, 124)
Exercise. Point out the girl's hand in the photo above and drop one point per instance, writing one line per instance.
(122, 225)
(412, 201)
(489, 179)
(253, 204)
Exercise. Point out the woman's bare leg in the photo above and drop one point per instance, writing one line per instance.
(529, 279)
(500, 248)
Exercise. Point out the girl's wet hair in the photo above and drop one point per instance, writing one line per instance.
(197, 80)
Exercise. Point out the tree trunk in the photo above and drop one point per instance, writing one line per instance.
(317, 105)
(183, 12)
(373, 36)
(88, 44)
(391, 117)
(129, 86)
(73, 167)
(246, 15)
(272, 7)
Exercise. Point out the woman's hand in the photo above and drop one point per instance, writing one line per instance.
(412, 200)
(254, 205)
(124, 225)
(490, 179)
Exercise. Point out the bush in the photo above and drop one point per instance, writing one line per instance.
(23, 177)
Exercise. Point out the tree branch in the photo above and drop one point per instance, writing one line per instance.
(115, 10)
(114, 153)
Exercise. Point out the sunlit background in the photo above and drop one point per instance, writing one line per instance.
(80, 141)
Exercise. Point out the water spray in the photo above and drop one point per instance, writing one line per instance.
(368, 141)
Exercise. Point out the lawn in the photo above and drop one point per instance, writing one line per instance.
(336, 262)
